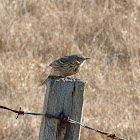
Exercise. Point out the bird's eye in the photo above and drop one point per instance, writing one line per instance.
(80, 59)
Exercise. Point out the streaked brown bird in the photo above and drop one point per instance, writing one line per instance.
(67, 65)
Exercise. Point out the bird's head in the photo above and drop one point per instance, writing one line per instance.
(80, 58)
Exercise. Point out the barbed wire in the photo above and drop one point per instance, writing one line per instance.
(63, 118)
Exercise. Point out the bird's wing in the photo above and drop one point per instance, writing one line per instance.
(60, 62)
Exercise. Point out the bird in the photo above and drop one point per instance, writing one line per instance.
(66, 66)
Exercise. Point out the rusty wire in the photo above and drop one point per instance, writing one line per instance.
(62, 118)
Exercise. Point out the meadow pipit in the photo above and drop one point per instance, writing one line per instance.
(67, 65)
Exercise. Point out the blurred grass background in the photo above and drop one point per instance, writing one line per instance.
(33, 33)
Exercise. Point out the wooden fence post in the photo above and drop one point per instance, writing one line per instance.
(62, 95)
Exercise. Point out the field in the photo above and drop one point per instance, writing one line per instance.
(33, 33)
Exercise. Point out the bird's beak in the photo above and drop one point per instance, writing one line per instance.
(87, 58)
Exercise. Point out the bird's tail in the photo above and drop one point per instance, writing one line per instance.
(53, 73)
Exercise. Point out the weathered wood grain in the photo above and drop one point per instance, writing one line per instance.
(62, 95)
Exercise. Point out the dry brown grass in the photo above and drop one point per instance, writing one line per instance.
(35, 32)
